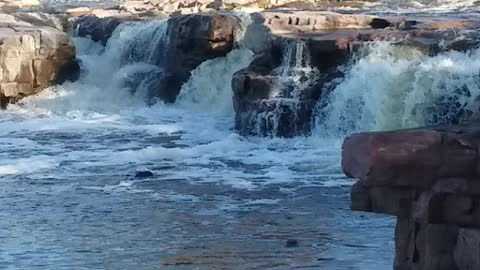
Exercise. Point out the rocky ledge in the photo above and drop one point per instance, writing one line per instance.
(299, 54)
(430, 179)
(266, 94)
(32, 57)
(190, 40)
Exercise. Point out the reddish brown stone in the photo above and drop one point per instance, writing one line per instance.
(404, 158)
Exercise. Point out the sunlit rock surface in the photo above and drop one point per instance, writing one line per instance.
(32, 57)
(19, 3)
(430, 179)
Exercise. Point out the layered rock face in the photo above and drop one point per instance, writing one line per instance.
(299, 55)
(168, 7)
(193, 39)
(32, 57)
(100, 24)
(322, 43)
(430, 180)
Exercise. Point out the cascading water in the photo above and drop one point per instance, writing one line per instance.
(287, 110)
(69, 156)
(211, 83)
(209, 87)
(295, 72)
(110, 74)
(394, 87)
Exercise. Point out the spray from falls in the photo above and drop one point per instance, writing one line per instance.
(296, 71)
(386, 87)
(394, 87)
(209, 87)
(110, 75)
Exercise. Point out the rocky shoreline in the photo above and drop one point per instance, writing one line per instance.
(426, 177)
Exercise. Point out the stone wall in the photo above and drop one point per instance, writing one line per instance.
(430, 180)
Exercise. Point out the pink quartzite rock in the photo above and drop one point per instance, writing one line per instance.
(408, 158)
(429, 179)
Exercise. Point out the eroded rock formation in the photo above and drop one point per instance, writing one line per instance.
(324, 42)
(430, 180)
(193, 39)
(190, 40)
(32, 57)
(299, 55)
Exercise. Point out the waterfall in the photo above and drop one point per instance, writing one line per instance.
(287, 111)
(110, 75)
(209, 87)
(395, 87)
(296, 71)
(386, 86)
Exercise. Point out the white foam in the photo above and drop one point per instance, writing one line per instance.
(194, 137)
(209, 88)
(398, 87)
(27, 165)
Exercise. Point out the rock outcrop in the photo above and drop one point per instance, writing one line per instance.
(299, 55)
(19, 3)
(430, 179)
(176, 7)
(100, 24)
(32, 57)
(193, 39)
(190, 40)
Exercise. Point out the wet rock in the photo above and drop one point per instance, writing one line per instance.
(291, 243)
(467, 254)
(99, 26)
(193, 39)
(262, 97)
(19, 3)
(143, 174)
(32, 57)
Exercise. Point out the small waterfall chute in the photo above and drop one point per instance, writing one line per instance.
(394, 87)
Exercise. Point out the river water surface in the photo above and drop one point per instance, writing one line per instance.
(69, 198)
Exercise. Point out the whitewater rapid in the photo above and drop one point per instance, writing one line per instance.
(69, 155)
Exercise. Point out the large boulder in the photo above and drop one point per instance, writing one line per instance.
(32, 58)
(100, 24)
(190, 40)
(193, 39)
(430, 179)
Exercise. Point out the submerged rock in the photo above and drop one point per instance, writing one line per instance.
(143, 174)
(32, 57)
(291, 243)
